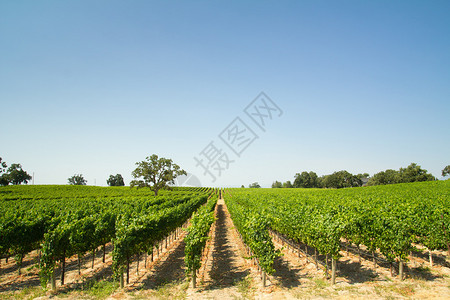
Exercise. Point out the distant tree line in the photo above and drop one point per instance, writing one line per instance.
(412, 173)
(278, 184)
(254, 185)
(154, 172)
(114, 180)
(344, 179)
(340, 179)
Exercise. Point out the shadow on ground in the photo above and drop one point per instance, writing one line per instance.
(171, 270)
(287, 275)
(355, 273)
(224, 272)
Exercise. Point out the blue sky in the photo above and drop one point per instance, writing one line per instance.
(92, 87)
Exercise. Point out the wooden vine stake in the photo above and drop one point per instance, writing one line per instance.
(79, 264)
(128, 270)
(53, 280)
(264, 278)
(63, 267)
(333, 270)
(326, 265)
(431, 257)
(315, 258)
(194, 279)
(374, 260)
(93, 257)
(137, 264)
(411, 254)
(400, 269)
(121, 278)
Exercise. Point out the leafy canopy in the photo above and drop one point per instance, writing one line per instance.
(156, 173)
(412, 173)
(14, 174)
(306, 180)
(277, 185)
(3, 166)
(115, 180)
(17, 175)
(288, 184)
(77, 179)
(446, 171)
(254, 185)
(3, 177)
(341, 179)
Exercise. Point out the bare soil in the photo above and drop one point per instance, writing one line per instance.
(228, 273)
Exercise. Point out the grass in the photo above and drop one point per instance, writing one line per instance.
(347, 288)
(320, 283)
(26, 293)
(422, 269)
(244, 287)
(91, 289)
(102, 289)
(393, 290)
(173, 290)
(315, 288)
(406, 291)
(423, 274)
(35, 266)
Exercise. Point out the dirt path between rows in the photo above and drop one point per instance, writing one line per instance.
(228, 265)
(228, 275)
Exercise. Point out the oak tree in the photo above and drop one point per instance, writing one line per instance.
(446, 171)
(16, 175)
(156, 173)
(254, 185)
(277, 185)
(115, 180)
(77, 179)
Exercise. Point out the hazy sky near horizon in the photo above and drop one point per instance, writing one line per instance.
(92, 87)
